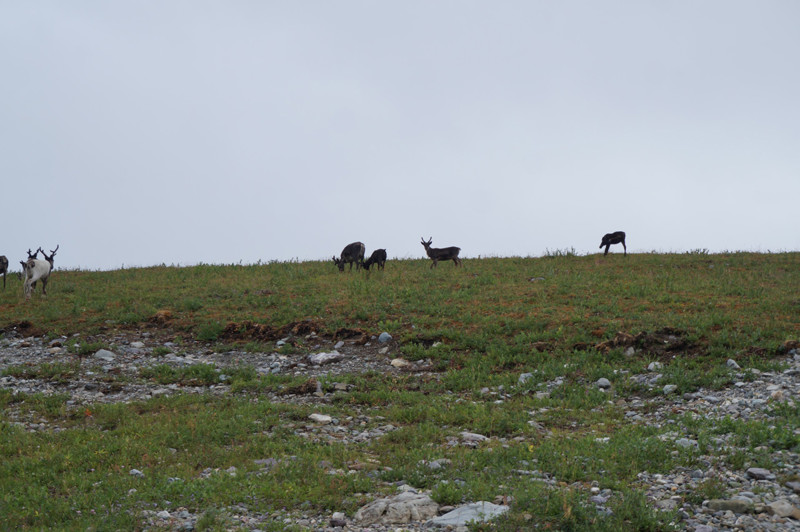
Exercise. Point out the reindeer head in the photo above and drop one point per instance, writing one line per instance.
(428, 243)
(34, 254)
(52, 254)
(339, 263)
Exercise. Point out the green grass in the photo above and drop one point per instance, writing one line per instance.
(480, 326)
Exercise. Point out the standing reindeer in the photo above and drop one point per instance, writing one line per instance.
(351, 253)
(378, 257)
(614, 238)
(438, 254)
(38, 270)
(4, 268)
(22, 275)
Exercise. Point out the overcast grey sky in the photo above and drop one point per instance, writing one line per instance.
(138, 133)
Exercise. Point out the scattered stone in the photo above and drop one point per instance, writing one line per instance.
(400, 363)
(384, 337)
(737, 506)
(320, 359)
(731, 363)
(105, 355)
(136, 473)
(603, 383)
(403, 508)
(669, 388)
(759, 473)
(473, 437)
(320, 418)
(783, 508)
(478, 512)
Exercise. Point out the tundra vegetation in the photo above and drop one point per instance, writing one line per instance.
(480, 326)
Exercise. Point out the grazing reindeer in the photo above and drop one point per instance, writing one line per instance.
(351, 253)
(38, 270)
(614, 238)
(378, 257)
(4, 268)
(438, 254)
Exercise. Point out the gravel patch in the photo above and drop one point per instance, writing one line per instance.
(754, 498)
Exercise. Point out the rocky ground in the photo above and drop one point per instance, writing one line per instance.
(754, 498)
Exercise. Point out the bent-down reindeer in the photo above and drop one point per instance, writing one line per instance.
(438, 254)
(38, 270)
(351, 253)
(4, 268)
(614, 238)
(378, 257)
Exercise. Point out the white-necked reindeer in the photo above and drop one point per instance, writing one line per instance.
(22, 276)
(38, 270)
(437, 254)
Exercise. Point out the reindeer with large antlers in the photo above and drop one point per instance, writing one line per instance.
(437, 254)
(37, 270)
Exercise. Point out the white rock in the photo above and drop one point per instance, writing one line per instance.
(471, 436)
(404, 508)
(478, 512)
(105, 354)
(782, 508)
(320, 418)
(384, 337)
(320, 359)
(603, 383)
(669, 388)
(400, 363)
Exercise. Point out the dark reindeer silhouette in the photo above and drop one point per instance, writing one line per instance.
(351, 253)
(437, 254)
(614, 238)
(4, 268)
(378, 257)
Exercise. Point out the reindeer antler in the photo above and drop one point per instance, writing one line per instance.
(53, 251)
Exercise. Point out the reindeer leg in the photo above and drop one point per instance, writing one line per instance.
(607, 246)
(625, 248)
(44, 287)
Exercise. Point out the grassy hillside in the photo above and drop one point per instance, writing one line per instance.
(728, 303)
(563, 317)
